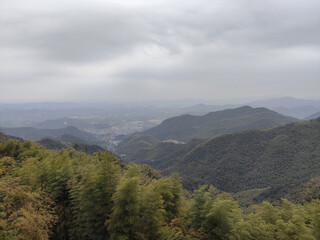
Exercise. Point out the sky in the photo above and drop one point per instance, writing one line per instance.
(142, 50)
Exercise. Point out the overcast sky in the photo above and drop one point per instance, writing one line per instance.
(97, 50)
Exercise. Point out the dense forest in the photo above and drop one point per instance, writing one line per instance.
(67, 194)
(266, 163)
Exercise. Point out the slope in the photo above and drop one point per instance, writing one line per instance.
(186, 127)
(315, 115)
(279, 159)
(289, 106)
(135, 143)
(55, 144)
(162, 155)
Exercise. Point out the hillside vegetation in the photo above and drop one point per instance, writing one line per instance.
(46, 194)
(55, 144)
(306, 191)
(186, 127)
(150, 150)
(162, 155)
(279, 159)
(135, 143)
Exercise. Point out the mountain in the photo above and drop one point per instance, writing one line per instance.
(55, 144)
(31, 133)
(298, 112)
(4, 137)
(315, 115)
(163, 154)
(61, 123)
(286, 102)
(277, 159)
(306, 191)
(135, 143)
(69, 122)
(52, 143)
(186, 127)
(70, 138)
(201, 109)
(299, 108)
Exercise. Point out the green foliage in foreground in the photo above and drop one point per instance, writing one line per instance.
(71, 195)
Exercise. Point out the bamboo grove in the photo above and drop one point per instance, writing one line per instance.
(71, 195)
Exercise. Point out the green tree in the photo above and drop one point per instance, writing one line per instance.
(125, 215)
(170, 190)
(201, 204)
(151, 212)
(24, 215)
(222, 217)
(92, 197)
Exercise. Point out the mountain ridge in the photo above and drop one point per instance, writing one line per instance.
(31, 133)
(185, 127)
(281, 157)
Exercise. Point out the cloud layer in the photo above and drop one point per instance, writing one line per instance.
(140, 50)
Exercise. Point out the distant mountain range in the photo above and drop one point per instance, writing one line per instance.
(186, 127)
(299, 108)
(287, 102)
(313, 116)
(271, 162)
(151, 150)
(264, 164)
(55, 144)
(67, 122)
(31, 133)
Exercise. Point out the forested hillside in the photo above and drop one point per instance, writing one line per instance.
(306, 191)
(46, 194)
(278, 159)
(55, 144)
(135, 143)
(186, 127)
(269, 163)
(163, 154)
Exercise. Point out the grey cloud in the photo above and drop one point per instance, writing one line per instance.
(212, 43)
(91, 34)
(79, 35)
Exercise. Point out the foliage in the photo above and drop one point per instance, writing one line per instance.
(23, 214)
(46, 194)
(278, 159)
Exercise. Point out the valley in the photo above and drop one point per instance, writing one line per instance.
(159, 120)
(237, 157)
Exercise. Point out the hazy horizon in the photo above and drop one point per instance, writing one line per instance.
(139, 51)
